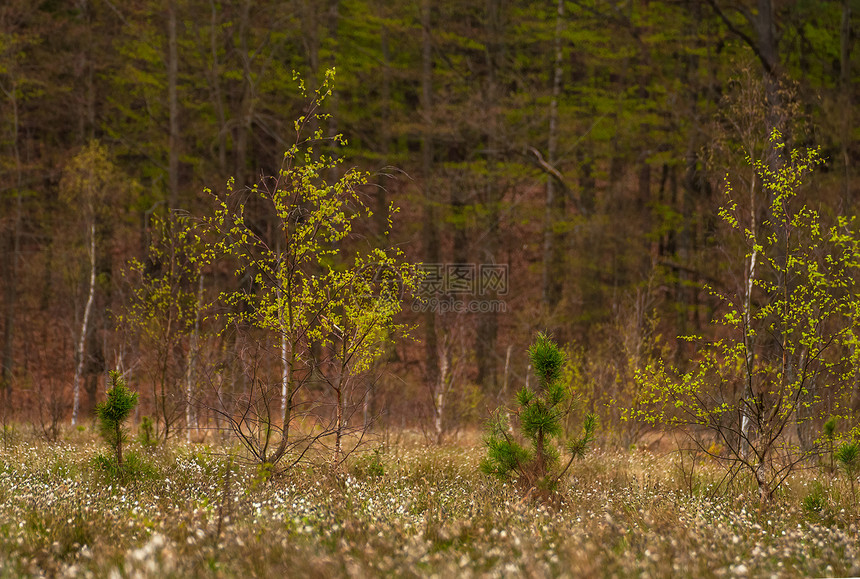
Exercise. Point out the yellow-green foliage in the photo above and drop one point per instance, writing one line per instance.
(306, 283)
(329, 312)
(788, 337)
(164, 295)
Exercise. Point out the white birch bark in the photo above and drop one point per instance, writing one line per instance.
(191, 367)
(82, 341)
(285, 374)
(748, 339)
(443, 385)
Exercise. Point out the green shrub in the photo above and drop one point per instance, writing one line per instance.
(815, 502)
(8, 434)
(134, 467)
(370, 465)
(146, 433)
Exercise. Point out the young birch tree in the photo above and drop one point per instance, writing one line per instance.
(307, 292)
(790, 332)
(89, 181)
(164, 312)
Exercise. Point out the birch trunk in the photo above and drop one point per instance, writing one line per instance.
(82, 341)
(749, 343)
(287, 393)
(367, 403)
(338, 437)
(285, 376)
(191, 367)
(443, 385)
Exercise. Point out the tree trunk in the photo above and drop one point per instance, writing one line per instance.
(846, 99)
(14, 255)
(342, 386)
(381, 210)
(367, 406)
(749, 337)
(81, 351)
(440, 394)
(540, 457)
(339, 418)
(191, 365)
(173, 105)
(430, 235)
(553, 249)
(217, 95)
(765, 493)
(488, 323)
(118, 434)
(288, 391)
(285, 377)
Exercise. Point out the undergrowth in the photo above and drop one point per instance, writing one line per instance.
(411, 510)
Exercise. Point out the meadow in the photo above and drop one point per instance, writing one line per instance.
(406, 508)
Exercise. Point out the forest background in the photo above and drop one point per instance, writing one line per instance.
(573, 153)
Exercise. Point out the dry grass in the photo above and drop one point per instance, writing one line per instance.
(622, 514)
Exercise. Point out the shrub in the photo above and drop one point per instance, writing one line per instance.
(369, 466)
(146, 433)
(815, 502)
(133, 467)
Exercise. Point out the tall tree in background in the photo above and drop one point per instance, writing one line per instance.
(90, 183)
(430, 235)
(16, 82)
(486, 337)
(553, 252)
(172, 60)
(617, 100)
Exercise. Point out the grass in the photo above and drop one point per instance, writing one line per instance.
(415, 510)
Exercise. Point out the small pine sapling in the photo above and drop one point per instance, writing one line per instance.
(146, 433)
(848, 457)
(113, 412)
(541, 413)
